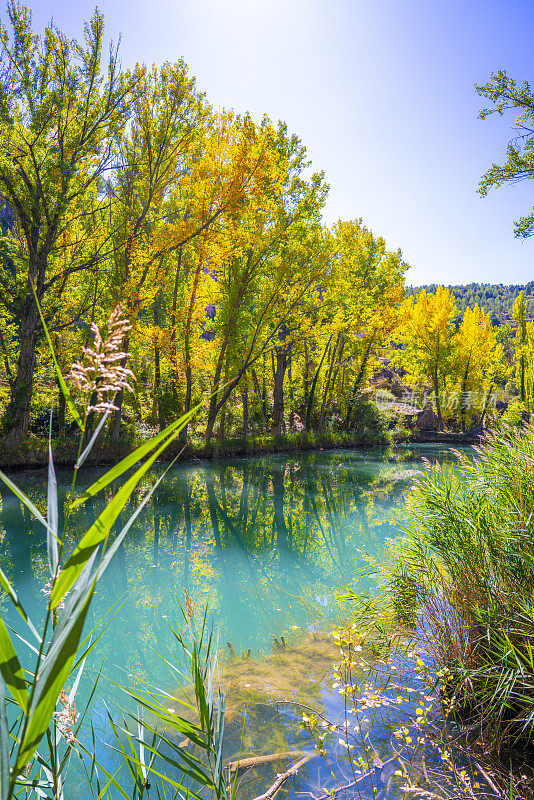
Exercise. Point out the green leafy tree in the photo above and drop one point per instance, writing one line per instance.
(521, 344)
(505, 95)
(61, 115)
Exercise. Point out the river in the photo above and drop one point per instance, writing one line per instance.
(265, 544)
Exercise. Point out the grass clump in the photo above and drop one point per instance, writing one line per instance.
(464, 574)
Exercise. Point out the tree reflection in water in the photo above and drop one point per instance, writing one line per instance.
(264, 543)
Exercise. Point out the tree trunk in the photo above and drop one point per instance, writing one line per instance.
(309, 406)
(117, 416)
(188, 389)
(334, 379)
(212, 415)
(213, 410)
(264, 408)
(357, 382)
(187, 348)
(174, 355)
(463, 406)
(261, 398)
(17, 415)
(157, 384)
(244, 400)
(7, 366)
(157, 365)
(222, 425)
(291, 393)
(278, 398)
(436, 395)
(215, 406)
(327, 384)
(306, 377)
(486, 404)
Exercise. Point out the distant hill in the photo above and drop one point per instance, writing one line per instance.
(496, 298)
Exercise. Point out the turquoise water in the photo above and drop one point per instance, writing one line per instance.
(263, 543)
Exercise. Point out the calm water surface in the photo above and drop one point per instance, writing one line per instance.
(264, 543)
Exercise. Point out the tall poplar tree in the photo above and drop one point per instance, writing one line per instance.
(61, 115)
(426, 336)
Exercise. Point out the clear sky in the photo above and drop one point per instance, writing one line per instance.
(380, 92)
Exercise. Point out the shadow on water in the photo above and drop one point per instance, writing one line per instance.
(264, 543)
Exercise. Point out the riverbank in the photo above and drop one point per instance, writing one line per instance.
(34, 454)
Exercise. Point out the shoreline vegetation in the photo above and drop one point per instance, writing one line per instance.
(102, 455)
(464, 575)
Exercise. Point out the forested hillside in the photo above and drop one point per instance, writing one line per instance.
(497, 299)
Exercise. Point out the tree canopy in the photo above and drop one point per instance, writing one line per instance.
(127, 188)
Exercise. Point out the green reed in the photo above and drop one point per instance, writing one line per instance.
(464, 572)
(170, 753)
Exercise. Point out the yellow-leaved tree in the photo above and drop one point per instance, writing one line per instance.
(426, 343)
(479, 363)
(362, 292)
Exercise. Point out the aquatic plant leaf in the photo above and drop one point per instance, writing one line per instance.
(26, 500)
(4, 745)
(24, 641)
(110, 552)
(141, 740)
(11, 593)
(95, 766)
(11, 669)
(136, 766)
(186, 763)
(183, 726)
(56, 665)
(218, 771)
(101, 528)
(121, 750)
(131, 460)
(52, 511)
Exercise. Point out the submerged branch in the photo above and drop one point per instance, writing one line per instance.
(282, 778)
(255, 761)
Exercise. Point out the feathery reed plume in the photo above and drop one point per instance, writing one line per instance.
(66, 718)
(47, 591)
(101, 371)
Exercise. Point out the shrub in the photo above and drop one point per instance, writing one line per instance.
(465, 571)
(514, 414)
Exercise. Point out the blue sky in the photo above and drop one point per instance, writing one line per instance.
(380, 92)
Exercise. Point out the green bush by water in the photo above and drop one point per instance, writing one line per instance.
(465, 572)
